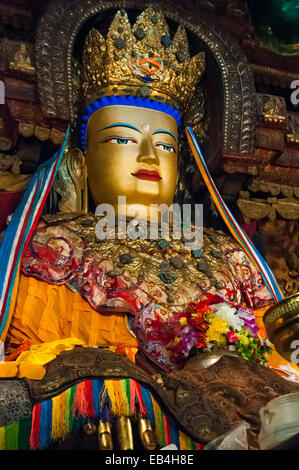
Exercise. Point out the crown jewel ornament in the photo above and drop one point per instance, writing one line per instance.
(141, 61)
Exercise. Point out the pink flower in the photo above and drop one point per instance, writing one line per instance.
(231, 336)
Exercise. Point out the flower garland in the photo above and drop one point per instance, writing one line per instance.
(211, 322)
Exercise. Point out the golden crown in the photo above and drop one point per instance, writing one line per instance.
(141, 60)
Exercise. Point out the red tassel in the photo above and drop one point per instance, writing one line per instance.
(167, 435)
(83, 402)
(142, 408)
(169, 431)
(199, 446)
(34, 437)
(89, 398)
(133, 392)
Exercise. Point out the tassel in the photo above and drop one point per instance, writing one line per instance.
(11, 436)
(136, 396)
(133, 393)
(148, 403)
(183, 441)
(97, 390)
(106, 415)
(67, 410)
(58, 417)
(142, 408)
(167, 430)
(159, 423)
(105, 406)
(89, 398)
(199, 446)
(124, 389)
(71, 406)
(118, 404)
(34, 437)
(80, 406)
(2, 434)
(24, 434)
(174, 435)
(45, 424)
(128, 392)
(192, 445)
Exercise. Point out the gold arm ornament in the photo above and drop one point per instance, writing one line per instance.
(125, 433)
(105, 436)
(146, 434)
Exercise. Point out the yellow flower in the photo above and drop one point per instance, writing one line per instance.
(216, 330)
(183, 321)
(177, 339)
(242, 337)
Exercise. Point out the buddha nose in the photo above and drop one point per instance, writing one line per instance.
(148, 152)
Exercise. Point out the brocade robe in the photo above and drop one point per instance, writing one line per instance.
(107, 293)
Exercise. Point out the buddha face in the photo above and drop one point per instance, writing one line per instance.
(132, 152)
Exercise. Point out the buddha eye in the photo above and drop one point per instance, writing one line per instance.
(168, 148)
(119, 140)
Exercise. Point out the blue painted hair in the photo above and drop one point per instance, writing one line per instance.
(125, 101)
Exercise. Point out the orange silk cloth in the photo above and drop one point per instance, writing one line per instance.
(45, 313)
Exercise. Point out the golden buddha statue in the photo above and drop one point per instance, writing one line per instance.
(21, 61)
(123, 293)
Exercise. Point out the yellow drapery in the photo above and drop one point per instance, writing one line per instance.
(46, 312)
(53, 319)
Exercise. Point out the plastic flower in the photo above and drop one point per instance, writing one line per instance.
(182, 344)
(228, 314)
(232, 337)
(246, 313)
(249, 318)
(201, 307)
(243, 337)
(217, 328)
(195, 314)
(201, 340)
(198, 321)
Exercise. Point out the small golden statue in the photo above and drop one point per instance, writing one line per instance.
(22, 61)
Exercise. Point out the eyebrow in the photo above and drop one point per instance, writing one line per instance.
(162, 131)
(120, 124)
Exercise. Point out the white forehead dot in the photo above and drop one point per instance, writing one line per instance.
(146, 127)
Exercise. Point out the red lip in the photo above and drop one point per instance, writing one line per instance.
(147, 175)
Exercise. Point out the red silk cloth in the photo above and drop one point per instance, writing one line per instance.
(9, 201)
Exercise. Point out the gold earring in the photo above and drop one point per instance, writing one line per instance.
(71, 183)
(78, 173)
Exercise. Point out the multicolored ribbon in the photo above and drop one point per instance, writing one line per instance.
(235, 229)
(19, 232)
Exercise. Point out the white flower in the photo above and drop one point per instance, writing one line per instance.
(228, 314)
(267, 343)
